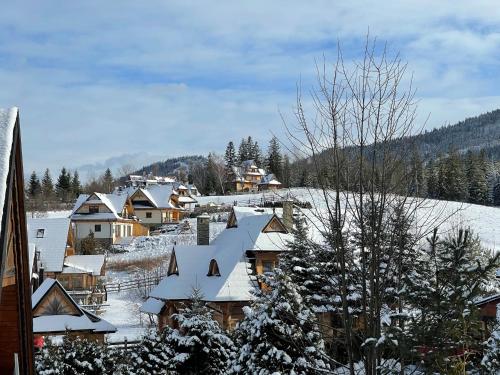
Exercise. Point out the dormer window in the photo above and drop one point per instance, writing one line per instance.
(40, 233)
(213, 268)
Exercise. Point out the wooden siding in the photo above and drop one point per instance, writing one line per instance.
(16, 334)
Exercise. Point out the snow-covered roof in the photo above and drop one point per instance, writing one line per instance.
(249, 235)
(152, 306)
(484, 300)
(159, 195)
(234, 283)
(7, 123)
(84, 264)
(50, 236)
(187, 200)
(115, 202)
(229, 249)
(53, 324)
(269, 179)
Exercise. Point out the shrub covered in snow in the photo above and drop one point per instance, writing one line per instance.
(76, 356)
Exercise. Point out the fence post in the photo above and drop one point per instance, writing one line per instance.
(125, 344)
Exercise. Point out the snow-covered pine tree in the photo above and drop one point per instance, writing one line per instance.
(491, 357)
(230, 156)
(279, 334)
(151, 356)
(199, 345)
(76, 356)
(444, 328)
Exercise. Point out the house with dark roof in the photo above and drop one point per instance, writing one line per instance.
(16, 324)
(105, 217)
(55, 312)
(224, 270)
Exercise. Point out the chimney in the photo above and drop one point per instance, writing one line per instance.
(288, 215)
(203, 229)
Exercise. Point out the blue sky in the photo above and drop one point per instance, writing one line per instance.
(98, 80)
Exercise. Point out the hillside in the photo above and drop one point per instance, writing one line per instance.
(171, 166)
(474, 133)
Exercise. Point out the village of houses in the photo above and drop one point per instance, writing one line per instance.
(52, 286)
(71, 292)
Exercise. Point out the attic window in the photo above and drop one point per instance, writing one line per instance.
(93, 209)
(213, 268)
(40, 233)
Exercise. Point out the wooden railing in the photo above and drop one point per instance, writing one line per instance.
(145, 282)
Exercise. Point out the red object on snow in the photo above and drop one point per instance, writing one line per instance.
(39, 342)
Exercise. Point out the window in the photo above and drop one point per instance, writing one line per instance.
(267, 266)
(118, 230)
(149, 215)
(129, 231)
(93, 209)
(40, 233)
(97, 228)
(213, 268)
(77, 282)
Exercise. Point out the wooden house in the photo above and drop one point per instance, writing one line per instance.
(269, 182)
(56, 313)
(81, 275)
(106, 217)
(489, 312)
(16, 329)
(225, 269)
(186, 196)
(248, 177)
(156, 205)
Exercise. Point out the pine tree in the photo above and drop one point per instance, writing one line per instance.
(76, 186)
(151, 357)
(275, 159)
(199, 346)
(47, 186)
(496, 192)
(257, 154)
(455, 180)
(63, 185)
(108, 181)
(476, 176)
(243, 151)
(491, 358)
(230, 156)
(443, 293)
(34, 187)
(279, 333)
(432, 181)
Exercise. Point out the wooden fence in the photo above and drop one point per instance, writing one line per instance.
(142, 283)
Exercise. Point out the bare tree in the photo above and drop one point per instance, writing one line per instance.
(360, 113)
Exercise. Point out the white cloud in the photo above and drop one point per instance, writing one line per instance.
(97, 79)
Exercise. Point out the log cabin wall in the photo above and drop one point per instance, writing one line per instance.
(16, 322)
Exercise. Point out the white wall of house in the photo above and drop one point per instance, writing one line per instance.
(156, 216)
(83, 228)
(122, 230)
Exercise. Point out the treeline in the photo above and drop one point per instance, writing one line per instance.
(43, 194)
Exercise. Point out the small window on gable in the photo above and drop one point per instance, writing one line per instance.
(40, 233)
(172, 267)
(93, 209)
(213, 268)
